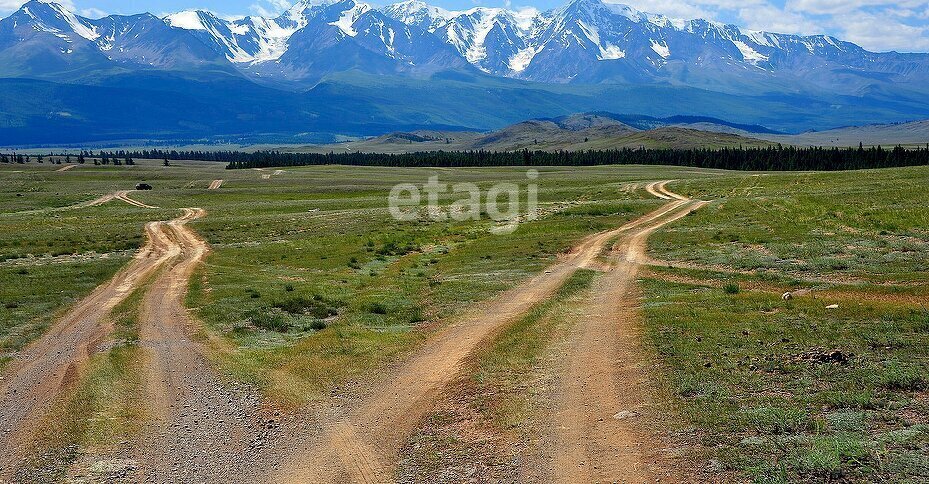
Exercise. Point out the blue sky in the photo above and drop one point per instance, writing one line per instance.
(878, 25)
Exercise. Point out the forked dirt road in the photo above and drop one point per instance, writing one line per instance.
(122, 195)
(360, 444)
(604, 387)
(51, 365)
(658, 189)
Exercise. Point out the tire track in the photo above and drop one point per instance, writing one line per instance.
(48, 367)
(202, 428)
(604, 386)
(360, 444)
(123, 195)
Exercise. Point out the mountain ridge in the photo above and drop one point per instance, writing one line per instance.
(583, 41)
(342, 67)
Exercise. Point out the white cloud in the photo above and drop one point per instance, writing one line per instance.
(92, 13)
(882, 32)
(772, 19)
(878, 25)
(845, 6)
(270, 8)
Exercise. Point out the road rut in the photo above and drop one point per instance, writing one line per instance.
(49, 366)
(604, 386)
(360, 444)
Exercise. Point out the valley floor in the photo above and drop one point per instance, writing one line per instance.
(281, 326)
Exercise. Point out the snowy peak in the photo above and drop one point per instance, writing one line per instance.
(255, 39)
(583, 41)
(420, 14)
(348, 17)
(55, 19)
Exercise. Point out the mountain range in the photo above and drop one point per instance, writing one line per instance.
(342, 66)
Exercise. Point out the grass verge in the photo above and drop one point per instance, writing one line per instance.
(101, 414)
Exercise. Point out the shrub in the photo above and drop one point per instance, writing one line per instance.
(377, 308)
(417, 316)
(271, 319)
(899, 377)
(316, 306)
(732, 288)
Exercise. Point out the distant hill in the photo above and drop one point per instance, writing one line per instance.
(589, 131)
(903, 134)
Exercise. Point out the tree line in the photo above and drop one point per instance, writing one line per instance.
(81, 159)
(774, 158)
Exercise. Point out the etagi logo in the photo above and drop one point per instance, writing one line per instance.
(502, 202)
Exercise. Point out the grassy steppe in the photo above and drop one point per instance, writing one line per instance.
(316, 252)
(790, 391)
(311, 285)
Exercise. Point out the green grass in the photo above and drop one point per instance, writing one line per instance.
(761, 377)
(324, 234)
(310, 284)
(32, 296)
(869, 226)
(789, 391)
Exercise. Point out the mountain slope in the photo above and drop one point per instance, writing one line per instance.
(584, 41)
(342, 66)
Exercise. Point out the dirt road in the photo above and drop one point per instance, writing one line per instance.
(604, 387)
(202, 429)
(49, 366)
(658, 189)
(122, 195)
(65, 168)
(360, 443)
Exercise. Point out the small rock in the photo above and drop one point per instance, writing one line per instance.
(834, 306)
(625, 414)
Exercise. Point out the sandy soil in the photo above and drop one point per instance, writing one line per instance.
(216, 184)
(122, 195)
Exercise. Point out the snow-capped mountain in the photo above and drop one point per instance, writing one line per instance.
(584, 41)
(589, 41)
(44, 38)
